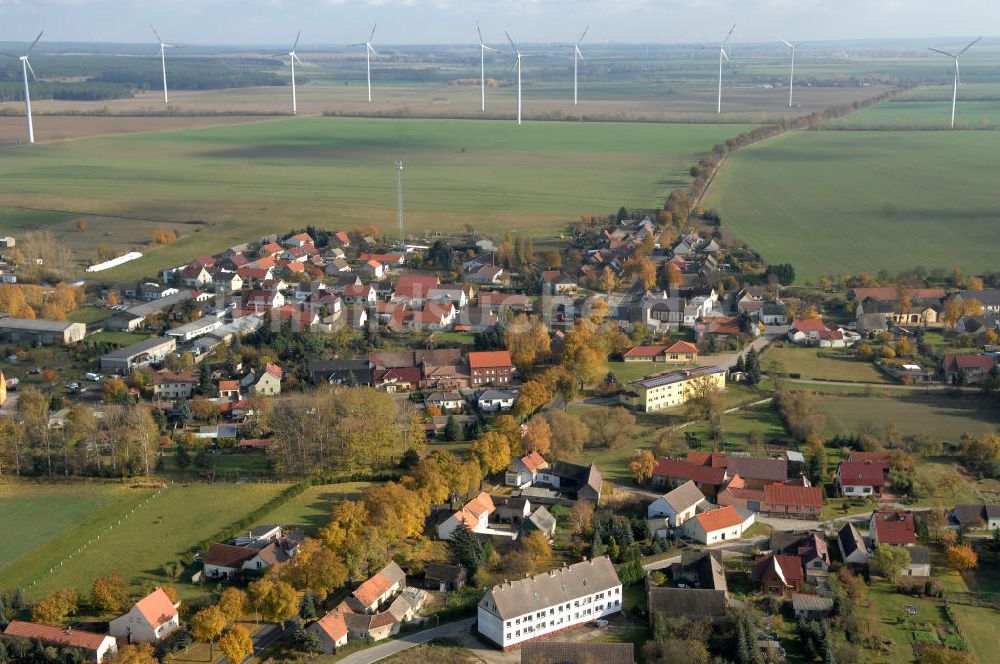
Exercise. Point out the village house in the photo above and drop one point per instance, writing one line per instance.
(331, 630)
(517, 611)
(174, 385)
(990, 299)
(490, 367)
(401, 379)
(555, 282)
(675, 472)
(140, 354)
(444, 578)
(811, 607)
(496, 401)
(229, 389)
(378, 590)
(542, 521)
(488, 274)
(810, 547)
(756, 472)
(195, 276)
(792, 502)
(693, 604)
(976, 517)
(445, 401)
(680, 352)
(475, 515)
(853, 550)
(814, 332)
(525, 471)
(152, 618)
(678, 505)
(861, 478)
(569, 480)
(725, 523)
(891, 527)
(776, 574)
(358, 293)
(97, 646)
(965, 369)
(671, 389)
(264, 383)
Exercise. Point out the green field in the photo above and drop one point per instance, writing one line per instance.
(840, 202)
(159, 531)
(822, 364)
(929, 107)
(311, 509)
(235, 183)
(945, 418)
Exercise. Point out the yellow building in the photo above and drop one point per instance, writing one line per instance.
(671, 389)
(3, 389)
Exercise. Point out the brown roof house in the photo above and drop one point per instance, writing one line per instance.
(689, 603)
(776, 574)
(331, 629)
(373, 593)
(98, 646)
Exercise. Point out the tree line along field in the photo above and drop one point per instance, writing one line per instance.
(243, 181)
(836, 202)
(929, 107)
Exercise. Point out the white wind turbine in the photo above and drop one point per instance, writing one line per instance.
(482, 67)
(791, 76)
(292, 59)
(163, 61)
(369, 52)
(25, 68)
(958, 76)
(520, 57)
(577, 56)
(723, 55)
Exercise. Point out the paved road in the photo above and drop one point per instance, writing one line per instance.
(262, 638)
(728, 360)
(390, 648)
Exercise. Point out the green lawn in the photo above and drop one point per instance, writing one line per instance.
(454, 338)
(241, 181)
(311, 509)
(89, 315)
(945, 418)
(823, 364)
(164, 529)
(930, 622)
(929, 107)
(979, 625)
(116, 338)
(835, 202)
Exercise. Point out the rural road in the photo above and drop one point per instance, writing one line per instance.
(262, 638)
(390, 648)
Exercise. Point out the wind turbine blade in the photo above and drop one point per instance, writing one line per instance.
(724, 54)
(490, 49)
(516, 50)
(297, 38)
(30, 48)
(10, 55)
(730, 34)
(586, 30)
(372, 36)
(298, 59)
(788, 44)
(958, 72)
(937, 50)
(372, 49)
(479, 29)
(579, 53)
(973, 43)
(156, 34)
(31, 70)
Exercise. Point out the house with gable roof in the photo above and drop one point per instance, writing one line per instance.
(98, 646)
(861, 478)
(371, 595)
(524, 471)
(152, 618)
(678, 505)
(777, 574)
(792, 501)
(474, 515)
(725, 523)
(892, 527)
(331, 629)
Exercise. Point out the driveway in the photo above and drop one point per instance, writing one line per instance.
(728, 360)
(389, 648)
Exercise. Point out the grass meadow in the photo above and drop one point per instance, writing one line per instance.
(943, 417)
(835, 202)
(61, 519)
(227, 184)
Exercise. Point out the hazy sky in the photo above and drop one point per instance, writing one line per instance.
(441, 21)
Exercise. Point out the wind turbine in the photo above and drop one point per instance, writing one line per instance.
(791, 76)
(577, 56)
(958, 76)
(482, 67)
(723, 55)
(292, 59)
(520, 57)
(25, 68)
(369, 52)
(163, 61)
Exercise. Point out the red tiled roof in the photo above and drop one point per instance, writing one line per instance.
(169, 377)
(489, 359)
(711, 459)
(809, 325)
(969, 361)
(861, 473)
(724, 517)
(789, 566)
(534, 462)
(894, 527)
(794, 496)
(685, 470)
(227, 555)
(271, 248)
(683, 347)
(256, 443)
(369, 591)
(229, 385)
(416, 285)
(355, 290)
(342, 237)
(402, 374)
(156, 608)
(273, 369)
(65, 637)
(333, 624)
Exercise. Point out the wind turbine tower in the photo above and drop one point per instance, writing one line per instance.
(163, 61)
(791, 76)
(292, 59)
(958, 75)
(25, 68)
(482, 67)
(577, 56)
(369, 52)
(520, 57)
(723, 55)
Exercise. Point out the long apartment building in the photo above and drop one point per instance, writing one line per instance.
(670, 389)
(518, 611)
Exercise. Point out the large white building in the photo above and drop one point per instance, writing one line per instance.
(514, 612)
